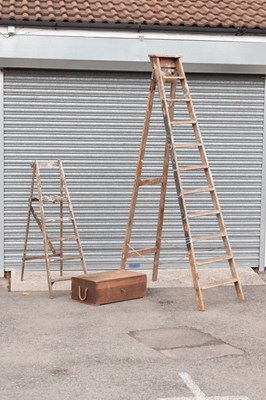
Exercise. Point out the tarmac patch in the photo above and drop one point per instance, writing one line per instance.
(184, 343)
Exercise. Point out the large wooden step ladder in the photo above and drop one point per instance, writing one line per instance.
(48, 242)
(167, 73)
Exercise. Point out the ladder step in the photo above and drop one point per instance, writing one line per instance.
(198, 190)
(52, 259)
(49, 199)
(151, 181)
(189, 122)
(58, 239)
(173, 78)
(60, 279)
(220, 283)
(207, 237)
(141, 252)
(59, 219)
(204, 213)
(188, 145)
(184, 99)
(193, 168)
(29, 258)
(213, 260)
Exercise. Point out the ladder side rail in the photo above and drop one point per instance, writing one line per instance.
(160, 220)
(139, 167)
(210, 181)
(28, 221)
(61, 226)
(83, 262)
(178, 183)
(163, 193)
(202, 151)
(45, 241)
(203, 154)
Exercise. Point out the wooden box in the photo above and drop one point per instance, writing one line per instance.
(108, 287)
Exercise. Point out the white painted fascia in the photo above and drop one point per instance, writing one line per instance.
(26, 47)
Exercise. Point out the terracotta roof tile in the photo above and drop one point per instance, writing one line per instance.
(213, 13)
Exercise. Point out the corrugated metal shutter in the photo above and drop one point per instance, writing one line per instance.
(93, 122)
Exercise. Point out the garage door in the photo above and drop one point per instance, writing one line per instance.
(93, 122)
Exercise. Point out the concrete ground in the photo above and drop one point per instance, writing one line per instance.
(158, 347)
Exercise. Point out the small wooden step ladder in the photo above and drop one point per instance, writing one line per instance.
(167, 73)
(62, 197)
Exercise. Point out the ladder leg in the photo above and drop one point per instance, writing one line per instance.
(161, 215)
(61, 225)
(238, 286)
(178, 184)
(45, 241)
(75, 228)
(138, 173)
(195, 278)
(163, 193)
(210, 182)
(28, 223)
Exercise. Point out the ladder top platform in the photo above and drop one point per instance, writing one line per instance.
(164, 56)
(47, 164)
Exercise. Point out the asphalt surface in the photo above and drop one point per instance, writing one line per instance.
(158, 347)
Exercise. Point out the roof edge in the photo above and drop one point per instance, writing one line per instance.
(134, 27)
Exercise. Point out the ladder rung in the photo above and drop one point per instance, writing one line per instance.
(187, 145)
(220, 283)
(173, 78)
(203, 213)
(207, 237)
(29, 258)
(193, 168)
(213, 260)
(58, 239)
(51, 199)
(198, 190)
(141, 252)
(52, 259)
(61, 278)
(33, 258)
(59, 219)
(150, 181)
(179, 100)
(189, 122)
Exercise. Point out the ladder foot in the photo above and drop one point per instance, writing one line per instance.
(200, 305)
(239, 292)
(201, 308)
(155, 273)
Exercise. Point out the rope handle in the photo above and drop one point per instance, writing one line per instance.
(85, 294)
